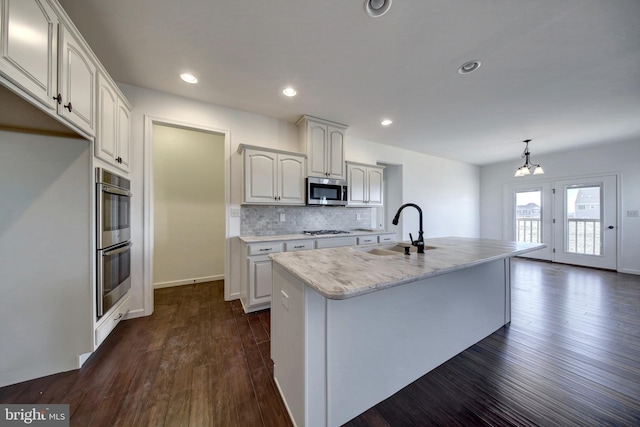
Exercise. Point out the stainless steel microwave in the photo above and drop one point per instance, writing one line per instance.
(326, 192)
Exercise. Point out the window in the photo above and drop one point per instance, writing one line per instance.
(528, 216)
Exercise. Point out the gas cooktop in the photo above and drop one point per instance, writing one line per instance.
(322, 232)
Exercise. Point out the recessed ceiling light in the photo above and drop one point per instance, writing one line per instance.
(469, 67)
(289, 92)
(376, 8)
(386, 122)
(189, 78)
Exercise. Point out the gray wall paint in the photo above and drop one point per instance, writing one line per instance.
(602, 159)
(47, 305)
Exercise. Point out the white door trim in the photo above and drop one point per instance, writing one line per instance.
(148, 208)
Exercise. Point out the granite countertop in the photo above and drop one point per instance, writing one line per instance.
(300, 236)
(346, 272)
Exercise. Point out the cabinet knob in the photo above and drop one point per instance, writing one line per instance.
(58, 98)
(69, 107)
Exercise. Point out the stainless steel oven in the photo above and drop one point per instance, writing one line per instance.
(326, 192)
(114, 275)
(113, 237)
(113, 208)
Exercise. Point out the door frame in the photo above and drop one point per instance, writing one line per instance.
(546, 220)
(148, 201)
(508, 212)
(560, 211)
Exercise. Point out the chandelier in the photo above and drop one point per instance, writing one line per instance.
(528, 168)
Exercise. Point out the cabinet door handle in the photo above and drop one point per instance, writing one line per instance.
(69, 106)
(58, 98)
(119, 317)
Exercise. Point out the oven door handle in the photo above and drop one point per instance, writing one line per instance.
(116, 191)
(118, 250)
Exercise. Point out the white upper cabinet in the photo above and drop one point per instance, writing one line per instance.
(324, 142)
(273, 177)
(45, 61)
(77, 83)
(29, 48)
(366, 184)
(114, 128)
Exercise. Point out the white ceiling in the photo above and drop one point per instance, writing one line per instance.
(562, 73)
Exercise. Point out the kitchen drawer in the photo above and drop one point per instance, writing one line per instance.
(386, 238)
(264, 248)
(111, 320)
(367, 240)
(335, 242)
(298, 245)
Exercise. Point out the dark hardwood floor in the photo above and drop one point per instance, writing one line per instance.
(571, 356)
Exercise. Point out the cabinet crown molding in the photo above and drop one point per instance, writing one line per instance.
(306, 117)
(243, 147)
(349, 162)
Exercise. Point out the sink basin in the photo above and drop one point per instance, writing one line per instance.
(390, 249)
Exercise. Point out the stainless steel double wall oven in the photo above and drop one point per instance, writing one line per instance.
(113, 228)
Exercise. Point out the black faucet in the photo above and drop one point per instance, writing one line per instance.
(420, 242)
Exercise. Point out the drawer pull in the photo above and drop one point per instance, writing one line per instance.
(119, 317)
(266, 249)
(298, 247)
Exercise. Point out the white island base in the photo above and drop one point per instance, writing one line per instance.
(334, 359)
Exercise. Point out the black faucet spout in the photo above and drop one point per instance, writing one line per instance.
(419, 243)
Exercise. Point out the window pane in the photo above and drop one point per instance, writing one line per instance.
(584, 231)
(528, 216)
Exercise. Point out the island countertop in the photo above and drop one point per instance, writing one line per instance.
(346, 272)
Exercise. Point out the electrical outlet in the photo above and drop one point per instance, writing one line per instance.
(282, 217)
(633, 213)
(358, 217)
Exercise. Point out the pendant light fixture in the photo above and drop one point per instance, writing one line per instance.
(528, 168)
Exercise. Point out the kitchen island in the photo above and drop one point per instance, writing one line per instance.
(352, 326)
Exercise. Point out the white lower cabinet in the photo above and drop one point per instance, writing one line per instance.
(108, 322)
(259, 280)
(336, 242)
(387, 238)
(256, 277)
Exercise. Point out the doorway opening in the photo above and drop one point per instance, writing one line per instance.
(177, 231)
(189, 206)
(575, 218)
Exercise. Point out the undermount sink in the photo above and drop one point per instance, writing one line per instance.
(392, 249)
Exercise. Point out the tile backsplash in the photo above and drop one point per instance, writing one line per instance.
(265, 220)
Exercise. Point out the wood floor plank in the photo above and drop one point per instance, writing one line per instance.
(570, 357)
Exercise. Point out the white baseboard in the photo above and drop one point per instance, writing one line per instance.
(188, 281)
(133, 314)
(83, 358)
(234, 296)
(629, 271)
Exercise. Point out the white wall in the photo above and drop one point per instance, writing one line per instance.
(189, 213)
(447, 190)
(46, 285)
(611, 158)
(241, 127)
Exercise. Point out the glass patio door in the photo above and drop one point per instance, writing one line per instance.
(529, 216)
(585, 222)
